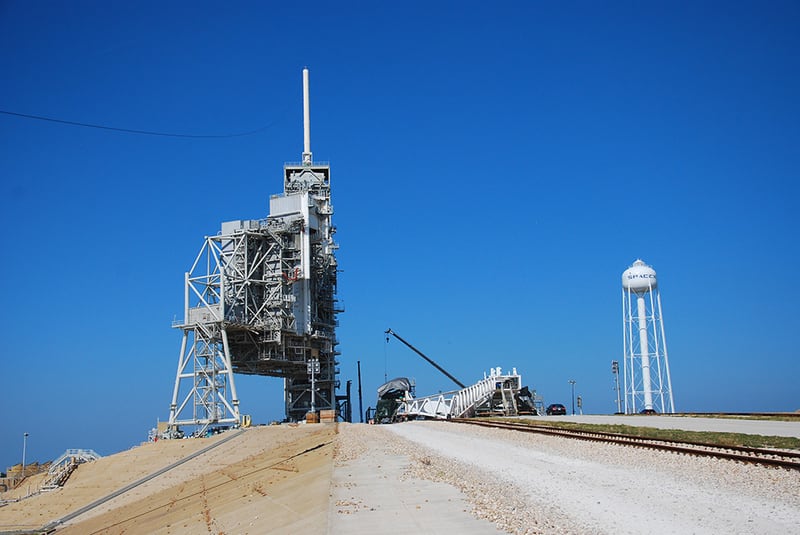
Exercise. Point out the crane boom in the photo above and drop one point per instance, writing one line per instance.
(421, 354)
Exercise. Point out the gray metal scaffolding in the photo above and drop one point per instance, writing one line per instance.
(260, 299)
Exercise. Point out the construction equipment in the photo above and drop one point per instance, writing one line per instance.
(497, 394)
(390, 397)
(423, 355)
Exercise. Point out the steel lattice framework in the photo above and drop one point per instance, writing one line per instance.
(260, 299)
(647, 380)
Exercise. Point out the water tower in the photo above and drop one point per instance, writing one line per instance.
(646, 367)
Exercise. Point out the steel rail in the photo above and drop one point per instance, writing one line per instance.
(777, 458)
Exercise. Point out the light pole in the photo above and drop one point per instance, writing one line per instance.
(313, 369)
(24, 446)
(572, 384)
(615, 371)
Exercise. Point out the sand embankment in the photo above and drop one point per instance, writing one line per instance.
(256, 479)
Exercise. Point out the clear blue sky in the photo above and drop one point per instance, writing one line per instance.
(495, 168)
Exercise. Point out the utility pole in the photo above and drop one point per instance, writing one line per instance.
(615, 371)
(572, 384)
(360, 403)
(313, 370)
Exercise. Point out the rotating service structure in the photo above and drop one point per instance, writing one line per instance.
(260, 299)
(648, 386)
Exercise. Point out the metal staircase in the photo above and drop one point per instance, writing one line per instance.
(62, 468)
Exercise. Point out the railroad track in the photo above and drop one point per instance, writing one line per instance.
(777, 458)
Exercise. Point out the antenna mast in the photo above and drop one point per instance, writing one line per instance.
(306, 121)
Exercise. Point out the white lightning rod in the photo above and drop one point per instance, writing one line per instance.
(306, 121)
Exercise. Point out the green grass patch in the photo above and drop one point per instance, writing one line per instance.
(775, 417)
(705, 437)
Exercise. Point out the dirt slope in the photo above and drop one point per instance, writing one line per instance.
(251, 484)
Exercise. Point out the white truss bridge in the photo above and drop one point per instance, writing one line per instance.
(495, 394)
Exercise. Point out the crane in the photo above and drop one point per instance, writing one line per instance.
(421, 354)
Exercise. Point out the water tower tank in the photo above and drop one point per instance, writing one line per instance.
(639, 277)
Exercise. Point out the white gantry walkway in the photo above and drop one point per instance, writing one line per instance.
(494, 394)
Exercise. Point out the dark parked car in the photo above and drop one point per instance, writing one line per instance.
(556, 408)
(648, 411)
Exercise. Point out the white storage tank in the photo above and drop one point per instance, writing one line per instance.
(639, 277)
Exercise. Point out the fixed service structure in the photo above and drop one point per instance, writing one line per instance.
(260, 298)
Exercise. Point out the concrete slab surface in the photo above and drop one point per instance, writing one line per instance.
(369, 496)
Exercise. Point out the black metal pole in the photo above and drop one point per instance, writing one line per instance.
(421, 354)
(349, 412)
(360, 403)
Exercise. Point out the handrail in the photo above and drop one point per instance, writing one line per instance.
(82, 455)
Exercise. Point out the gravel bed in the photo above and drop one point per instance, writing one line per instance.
(539, 484)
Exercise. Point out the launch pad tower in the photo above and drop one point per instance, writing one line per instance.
(260, 298)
